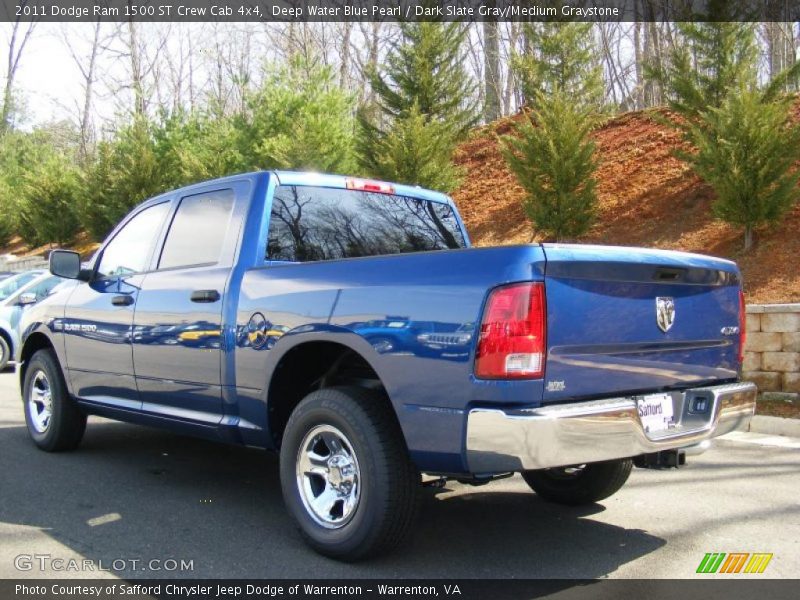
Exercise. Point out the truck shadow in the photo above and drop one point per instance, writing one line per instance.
(221, 507)
(513, 533)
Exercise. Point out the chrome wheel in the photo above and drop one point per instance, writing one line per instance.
(328, 476)
(40, 402)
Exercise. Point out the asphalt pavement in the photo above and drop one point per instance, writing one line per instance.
(136, 502)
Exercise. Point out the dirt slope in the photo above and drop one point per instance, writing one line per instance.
(646, 198)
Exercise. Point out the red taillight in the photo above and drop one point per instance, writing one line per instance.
(511, 343)
(742, 326)
(364, 185)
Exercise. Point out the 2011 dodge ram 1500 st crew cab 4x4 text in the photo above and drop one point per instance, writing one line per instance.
(348, 324)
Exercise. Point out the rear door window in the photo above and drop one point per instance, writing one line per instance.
(198, 230)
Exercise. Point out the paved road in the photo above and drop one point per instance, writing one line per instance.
(135, 493)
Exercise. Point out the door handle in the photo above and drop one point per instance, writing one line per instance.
(122, 300)
(206, 296)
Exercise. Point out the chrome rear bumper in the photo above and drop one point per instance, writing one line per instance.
(582, 432)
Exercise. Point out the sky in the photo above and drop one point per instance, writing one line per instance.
(49, 81)
(48, 78)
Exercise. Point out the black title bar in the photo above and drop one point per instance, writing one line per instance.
(464, 589)
(394, 10)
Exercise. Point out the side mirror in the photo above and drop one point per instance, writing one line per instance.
(67, 264)
(26, 299)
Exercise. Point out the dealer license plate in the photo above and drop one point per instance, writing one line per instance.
(655, 412)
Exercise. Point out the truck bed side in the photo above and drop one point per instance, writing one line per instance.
(413, 317)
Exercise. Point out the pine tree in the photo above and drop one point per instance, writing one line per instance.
(5, 224)
(48, 211)
(746, 150)
(425, 68)
(562, 56)
(193, 147)
(551, 152)
(744, 144)
(14, 155)
(423, 87)
(416, 150)
(552, 157)
(713, 56)
(299, 119)
(125, 172)
(39, 183)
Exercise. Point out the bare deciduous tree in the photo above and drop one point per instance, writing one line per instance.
(87, 64)
(20, 34)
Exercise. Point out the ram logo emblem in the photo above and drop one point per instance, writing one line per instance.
(665, 312)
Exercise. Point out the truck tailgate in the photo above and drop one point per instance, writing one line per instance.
(626, 320)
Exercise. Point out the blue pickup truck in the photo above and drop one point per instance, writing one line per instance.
(347, 324)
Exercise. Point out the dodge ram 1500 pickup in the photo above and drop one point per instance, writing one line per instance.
(348, 325)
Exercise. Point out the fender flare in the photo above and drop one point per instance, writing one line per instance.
(336, 335)
(325, 333)
(38, 329)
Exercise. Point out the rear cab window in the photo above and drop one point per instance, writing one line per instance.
(310, 223)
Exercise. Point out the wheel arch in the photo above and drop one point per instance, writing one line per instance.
(7, 337)
(317, 361)
(36, 341)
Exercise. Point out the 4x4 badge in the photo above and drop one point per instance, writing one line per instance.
(665, 312)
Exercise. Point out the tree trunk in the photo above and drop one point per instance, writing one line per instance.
(344, 72)
(192, 92)
(654, 40)
(748, 237)
(614, 80)
(637, 58)
(88, 90)
(508, 94)
(7, 100)
(491, 74)
(137, 83)
(527, 50)
(372, 58)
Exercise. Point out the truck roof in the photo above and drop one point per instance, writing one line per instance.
(340, 181)
(311, 178)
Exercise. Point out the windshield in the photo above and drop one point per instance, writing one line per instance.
(12, 284)
(313, 223)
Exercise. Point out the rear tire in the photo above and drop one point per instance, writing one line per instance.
(5, 353)
(346, 476)
(575, 486)
(55, 423)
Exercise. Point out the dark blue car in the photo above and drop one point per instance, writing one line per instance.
(348, 325)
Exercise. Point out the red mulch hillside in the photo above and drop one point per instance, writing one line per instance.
(646, 198)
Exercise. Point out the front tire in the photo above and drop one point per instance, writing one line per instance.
(585, 484)
(55, 423)
(346, 476)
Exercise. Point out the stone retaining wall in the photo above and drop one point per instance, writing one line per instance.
(18, 265)
(772, 350)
